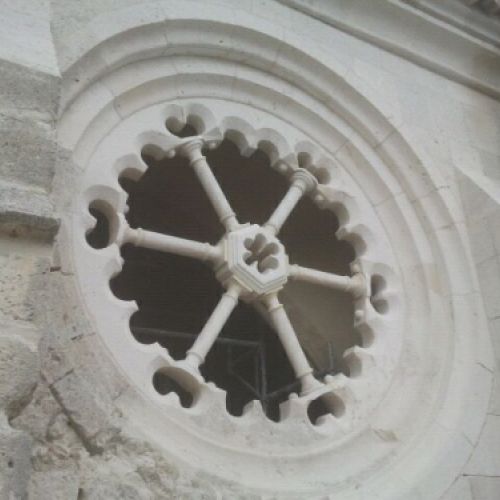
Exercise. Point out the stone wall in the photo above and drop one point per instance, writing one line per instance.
(60, 437)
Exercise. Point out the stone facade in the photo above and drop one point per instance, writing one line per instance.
(389, 112)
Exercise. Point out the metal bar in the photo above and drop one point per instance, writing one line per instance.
(296, 383)
(230, 368)
(141, 330)
(248, 386)
(263, 387)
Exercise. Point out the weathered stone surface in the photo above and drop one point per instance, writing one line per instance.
(26, 211)
(56, 359)
(108, 490)
(59, 311)
(19, 271)
(15, 466)
(39, 413)
(93, 364)
(57, 484)
(26, 92)
(24, 144)
(88, 413)
(19, 370)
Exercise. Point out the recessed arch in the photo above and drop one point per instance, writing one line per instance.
(367, 145)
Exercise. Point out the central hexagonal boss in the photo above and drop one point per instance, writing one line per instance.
(254, 258)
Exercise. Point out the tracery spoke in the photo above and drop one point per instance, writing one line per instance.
(291, 344)
(355, 285)
(302, 182)
(172, 244)
(208, 335)
(214, 192)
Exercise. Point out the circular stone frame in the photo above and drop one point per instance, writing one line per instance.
(438, 361)
(371, 366)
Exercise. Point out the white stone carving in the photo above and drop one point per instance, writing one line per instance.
(255, 260)
(404, 402)
(250, 262)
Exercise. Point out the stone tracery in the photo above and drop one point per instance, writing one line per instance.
(251, 264)
(386, 184)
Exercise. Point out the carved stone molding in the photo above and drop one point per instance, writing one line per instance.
(407, 397)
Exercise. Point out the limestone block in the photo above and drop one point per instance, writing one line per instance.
(489, 272)
(15, 466)
(108, 490)
(65, 323)
(485, 459)
(483, 128)
(460, 490)
(493, 221)
(26, 92)
(28, 151)
(495, 397)
(482, 241)
(491, 165)
(39, 413)
(84, 354)
(26, 211)
(477, 202)
(88, 413)
(66, 174)
(485, 488)
(55, 357)
(19, 370)
(17, 271)
(25, 34)
(73, 24)
(92, 362)
(57, 484)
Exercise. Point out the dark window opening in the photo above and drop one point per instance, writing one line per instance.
(98, 237)
(176, 295)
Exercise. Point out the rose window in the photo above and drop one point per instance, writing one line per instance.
(258, 273)
(233, 282)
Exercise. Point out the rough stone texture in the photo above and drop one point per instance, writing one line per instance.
(58, 484)
(19, 374)
(107, 489)
(26, 212)
(38, 416)
(16, 299)
(15, 466)
(28, 94)
(28, 107)
(18, 370)
(78, 399)
(25, 143)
